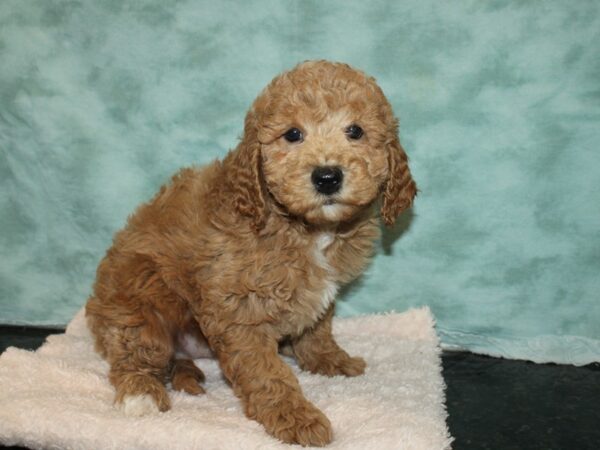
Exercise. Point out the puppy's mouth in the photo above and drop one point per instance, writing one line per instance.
(342, 201)
(335, 209)
(333, 202)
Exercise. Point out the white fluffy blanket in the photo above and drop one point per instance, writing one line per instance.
(59, 396)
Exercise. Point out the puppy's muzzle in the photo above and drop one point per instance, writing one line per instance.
(327, 180)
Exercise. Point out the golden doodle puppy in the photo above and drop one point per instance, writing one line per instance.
(247, 254)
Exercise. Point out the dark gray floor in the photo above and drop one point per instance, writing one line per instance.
(503, 404)
(492, 403)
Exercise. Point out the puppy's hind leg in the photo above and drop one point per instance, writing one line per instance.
(186, 377)
(140, 359)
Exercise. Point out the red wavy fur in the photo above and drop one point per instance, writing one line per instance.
(244, 255)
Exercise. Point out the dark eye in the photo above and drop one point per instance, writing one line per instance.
(354, 132)
(293, 135)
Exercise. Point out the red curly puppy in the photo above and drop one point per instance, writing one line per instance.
(248, 253)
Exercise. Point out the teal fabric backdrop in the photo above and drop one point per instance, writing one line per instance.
(499, 103)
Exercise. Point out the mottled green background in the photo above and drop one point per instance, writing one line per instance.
(499, 102)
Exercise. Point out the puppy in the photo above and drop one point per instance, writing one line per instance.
(248, 253)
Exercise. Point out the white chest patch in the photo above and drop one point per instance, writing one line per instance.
(330, 289)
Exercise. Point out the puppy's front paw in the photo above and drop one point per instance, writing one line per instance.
(351, 367)
(338, 364)
(301, 423)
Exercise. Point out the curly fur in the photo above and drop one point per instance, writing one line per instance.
(245, 256)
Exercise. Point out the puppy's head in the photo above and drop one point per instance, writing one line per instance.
(323, 143)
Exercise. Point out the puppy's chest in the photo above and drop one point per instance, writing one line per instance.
(328, 288)
(318, 289)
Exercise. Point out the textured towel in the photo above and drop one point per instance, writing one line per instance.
(60, 397)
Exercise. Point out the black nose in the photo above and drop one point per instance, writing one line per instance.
(327, 180)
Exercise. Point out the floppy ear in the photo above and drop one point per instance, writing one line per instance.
(400, 189)
(246, 176)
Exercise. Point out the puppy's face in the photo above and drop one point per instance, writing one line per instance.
(324, 131)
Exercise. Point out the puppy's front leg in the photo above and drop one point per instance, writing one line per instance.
(317, 351)
(269, 390)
